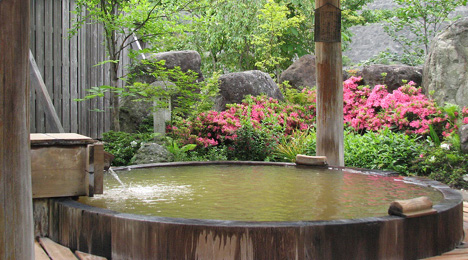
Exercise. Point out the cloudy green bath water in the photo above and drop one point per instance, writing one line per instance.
(254, 193)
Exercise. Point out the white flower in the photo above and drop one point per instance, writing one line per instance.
(432, 159)
(445, 146)
(133, 143)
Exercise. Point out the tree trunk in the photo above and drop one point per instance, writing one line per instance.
(114, 99)
(16, 220)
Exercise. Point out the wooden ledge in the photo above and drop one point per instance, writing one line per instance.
(311, 160)
(412, 208)
(50, 139)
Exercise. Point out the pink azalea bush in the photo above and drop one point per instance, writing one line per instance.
(405, 109)
(212, 128)
(365, 109)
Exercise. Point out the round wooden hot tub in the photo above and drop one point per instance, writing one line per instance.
(128, 236)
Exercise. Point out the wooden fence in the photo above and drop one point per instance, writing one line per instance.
(67, 65)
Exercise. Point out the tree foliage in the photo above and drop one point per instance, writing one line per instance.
(230, 35)
(122, 20)
(274, 22)
(227, 32)
(415, 23)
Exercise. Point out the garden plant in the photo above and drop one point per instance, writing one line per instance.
(403, 131)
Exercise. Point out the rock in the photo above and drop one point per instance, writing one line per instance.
(233, 87)
(151, 153)
(132, 114)
(372, 75)
(445, 69)
(301, 73)
(186, 60)
(464, 138)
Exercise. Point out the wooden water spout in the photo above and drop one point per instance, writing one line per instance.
(66, 165)
(329, 81)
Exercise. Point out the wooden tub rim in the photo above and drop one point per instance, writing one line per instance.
(452, 199)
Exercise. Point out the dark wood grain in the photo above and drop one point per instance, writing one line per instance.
(16, 221)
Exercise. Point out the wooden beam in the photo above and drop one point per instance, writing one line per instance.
(43, 95)
(329, 82)
(16, 219)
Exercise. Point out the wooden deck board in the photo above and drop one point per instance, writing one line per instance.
(39, 253)
(458, 252)
(47, 249)
(86, 256)
(449, 257)
(56, 251)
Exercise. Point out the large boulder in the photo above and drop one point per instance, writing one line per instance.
(301, 73)
(233, 87)
(151, 153)
(133, 114)
(186, 60)
(391, 75)
(446, 66)
(464, 138)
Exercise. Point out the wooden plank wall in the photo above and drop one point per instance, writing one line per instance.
(67, 67)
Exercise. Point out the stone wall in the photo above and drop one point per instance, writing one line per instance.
(371, 39)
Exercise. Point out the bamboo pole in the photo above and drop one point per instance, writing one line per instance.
(16, 221)
(329, 81)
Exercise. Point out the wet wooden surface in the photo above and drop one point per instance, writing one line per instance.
(461, 252)
(124, 236)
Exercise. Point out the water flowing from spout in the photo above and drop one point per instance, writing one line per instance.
(113, 174)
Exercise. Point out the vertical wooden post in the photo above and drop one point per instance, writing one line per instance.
(329, 81)
(16, 222)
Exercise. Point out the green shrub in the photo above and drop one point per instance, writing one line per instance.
(251, 144)
(211, 153)
(180, 152)
(297, 143)
(444, 163)
(384, 150)
(124, 145)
